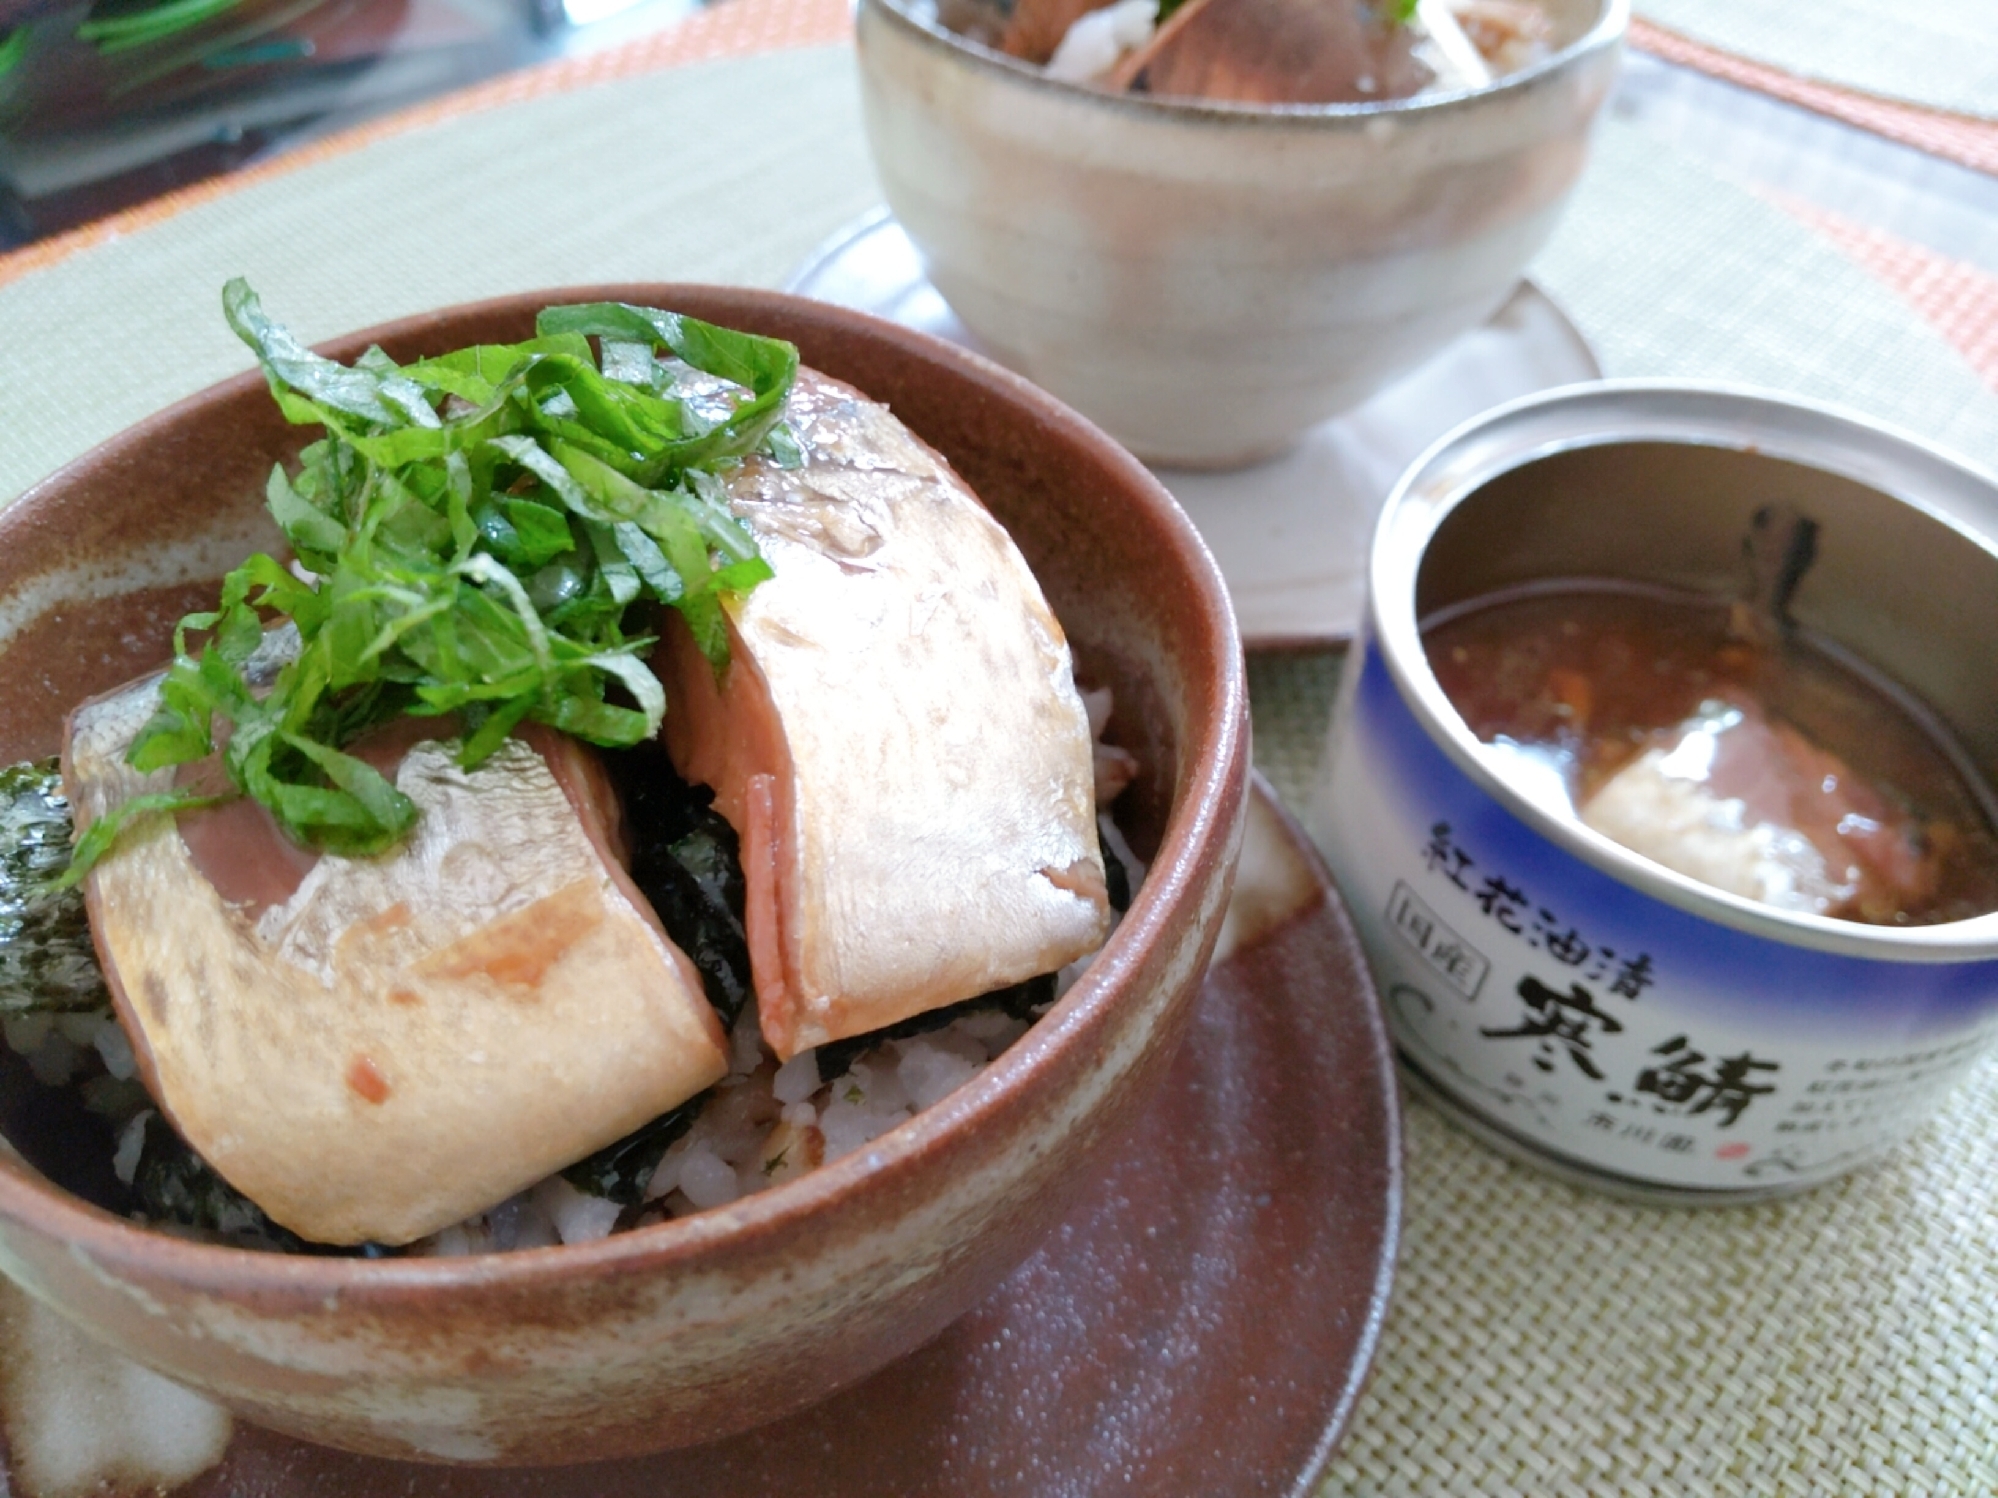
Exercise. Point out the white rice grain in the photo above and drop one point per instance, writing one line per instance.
(577, 1215)
(55, 1060)
(745, 1044)
(1095, 42)
(666, 1175)
(707, 1179)
(452, 1243)
(25, 1033)
(1098, 703)
(113, 1045)
(797, 1079)
(994, 1028)
(931, 1072)
(848, 1126)
(80, 1028)
(131, 1144)
(875, 1082)
(518, 1222)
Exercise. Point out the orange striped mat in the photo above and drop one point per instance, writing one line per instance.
(1959, 300)
(1972, 142)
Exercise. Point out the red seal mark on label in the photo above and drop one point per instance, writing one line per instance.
(1733, 1151)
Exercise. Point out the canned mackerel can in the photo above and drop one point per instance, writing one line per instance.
(1591, 1008)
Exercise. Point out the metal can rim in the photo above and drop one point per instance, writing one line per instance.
(1908, 468)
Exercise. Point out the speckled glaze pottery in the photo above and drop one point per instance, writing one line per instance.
(691, 1330)
(1200, 1323)
(1208, 280)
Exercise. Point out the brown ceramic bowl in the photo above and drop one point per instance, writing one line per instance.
(692, 1329)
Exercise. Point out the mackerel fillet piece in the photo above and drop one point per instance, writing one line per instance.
(897, 740)
(372, 1049)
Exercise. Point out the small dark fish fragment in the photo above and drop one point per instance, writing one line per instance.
(1780, 545)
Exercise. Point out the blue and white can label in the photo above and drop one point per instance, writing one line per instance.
(1604, 1026)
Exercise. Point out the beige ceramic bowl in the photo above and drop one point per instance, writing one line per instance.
(1206, 281)
(701, 1327)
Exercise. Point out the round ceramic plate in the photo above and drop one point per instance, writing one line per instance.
(1201, 1325)
(1291, 534)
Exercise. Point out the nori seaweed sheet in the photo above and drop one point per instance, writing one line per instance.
(1022, 1001)
(684, 859)
(47, 962)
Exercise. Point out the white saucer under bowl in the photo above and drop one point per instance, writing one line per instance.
(1290, 534)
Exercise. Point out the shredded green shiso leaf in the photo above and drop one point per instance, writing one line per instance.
(476, 530)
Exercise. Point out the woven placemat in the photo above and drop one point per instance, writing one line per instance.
(623, 180)
(1544, 1341)
(1670, 270)
(1958, 300)
(1938, 54)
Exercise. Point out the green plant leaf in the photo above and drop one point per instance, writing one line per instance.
(482, 533)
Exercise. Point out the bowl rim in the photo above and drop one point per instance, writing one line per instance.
(1213, 769)
(1604, 35)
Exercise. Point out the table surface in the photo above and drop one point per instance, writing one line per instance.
(1544, 1340)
